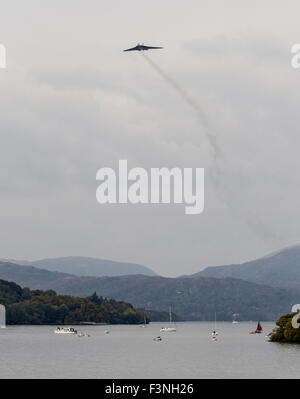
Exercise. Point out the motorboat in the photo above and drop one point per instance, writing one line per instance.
(65, 330)
(168, 329)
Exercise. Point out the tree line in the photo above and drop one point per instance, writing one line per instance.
(25, 306)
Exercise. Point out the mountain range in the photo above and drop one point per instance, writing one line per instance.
(191, 298)
(279, 269)
(85, 266)
(260, 289)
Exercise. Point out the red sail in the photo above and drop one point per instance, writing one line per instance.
(259, 327)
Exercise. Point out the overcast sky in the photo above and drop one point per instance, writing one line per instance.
(72, 102)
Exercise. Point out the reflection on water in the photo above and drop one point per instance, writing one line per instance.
(131, 352)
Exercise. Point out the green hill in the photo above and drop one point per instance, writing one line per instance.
(192, 299)
(25, 306)
(284, 332)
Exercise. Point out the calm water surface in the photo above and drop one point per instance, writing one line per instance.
(130, 352)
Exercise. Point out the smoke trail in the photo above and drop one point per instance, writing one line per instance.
(205, 122)
(252, 220)
(248, 216)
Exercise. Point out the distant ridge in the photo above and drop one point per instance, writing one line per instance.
(85, 266)
(195, 298)
(278, 251)
(278, 269)
(30, 276)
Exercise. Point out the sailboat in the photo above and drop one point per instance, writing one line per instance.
(169, 329)
(215, 333)
(258, 329)
(144, 325)
(234, 316)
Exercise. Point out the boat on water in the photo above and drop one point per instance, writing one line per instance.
(65, 330)
(83, 335)
(144, 325)
(157, 338)
(234, 318)
(268, 335)
(215, 332)
(170, 328)
(258, 329)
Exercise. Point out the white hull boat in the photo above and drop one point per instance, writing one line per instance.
(168, 329)
(65, 330)
(215, 332)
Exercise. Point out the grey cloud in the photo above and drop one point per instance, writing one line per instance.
(62, 119)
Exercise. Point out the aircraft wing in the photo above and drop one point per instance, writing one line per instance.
(149, 47)
(131, 49)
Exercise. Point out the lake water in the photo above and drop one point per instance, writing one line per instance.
(130, 352)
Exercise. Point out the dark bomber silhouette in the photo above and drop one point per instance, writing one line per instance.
(141, 47)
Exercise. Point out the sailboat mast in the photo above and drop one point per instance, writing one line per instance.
(215, 320)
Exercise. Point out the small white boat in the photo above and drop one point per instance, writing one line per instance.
(157, 339)
(170, 328)
(65, 330)
(234, 320)
(215, 333)
(268, 335)
(144, 325)
(106, 331)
